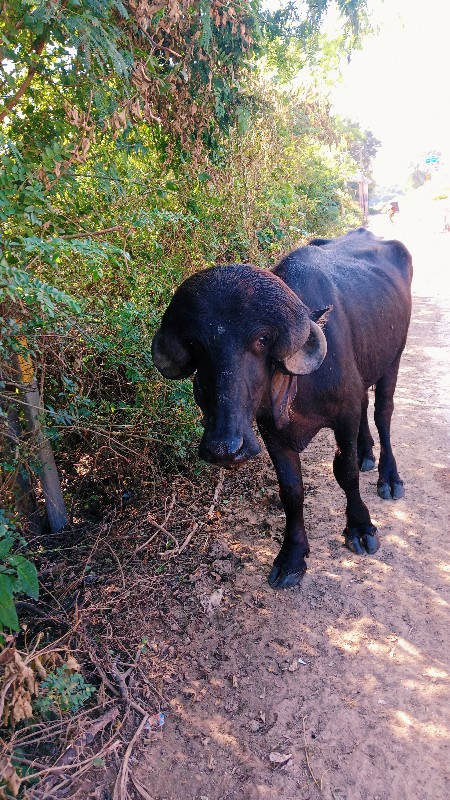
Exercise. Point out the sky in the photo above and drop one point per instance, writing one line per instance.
(398, 84)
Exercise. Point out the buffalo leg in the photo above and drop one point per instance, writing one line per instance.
(289, 565)
(359, 535)
(366, 459)
(390, 486)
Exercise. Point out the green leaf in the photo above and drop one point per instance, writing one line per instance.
(28, 580)
(5, 546)
(8, 613)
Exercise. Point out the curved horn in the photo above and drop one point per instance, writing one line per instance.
(170, 357)
(309, 356)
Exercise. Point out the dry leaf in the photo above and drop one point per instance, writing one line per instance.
(212, 602)
(72, 664)
(9, 776)
(279, 759)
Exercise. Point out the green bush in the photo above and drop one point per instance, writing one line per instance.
(62, 692)
(17, 575)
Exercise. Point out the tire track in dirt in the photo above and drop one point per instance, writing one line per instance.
(348, 675)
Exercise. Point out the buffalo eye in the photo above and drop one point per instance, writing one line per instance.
(261, 343)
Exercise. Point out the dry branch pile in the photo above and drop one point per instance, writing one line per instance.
(66, 754)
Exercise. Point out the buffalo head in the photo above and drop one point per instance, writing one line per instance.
(247, 336)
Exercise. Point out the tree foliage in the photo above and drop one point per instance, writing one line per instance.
(363, 146)
(103, 65)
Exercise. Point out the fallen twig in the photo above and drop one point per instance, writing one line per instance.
(103, 675)
(120, 680)
(146, 543)
(316, 781)
(84, 767)
(120, 787)
(72, 752)
(170, 508)
(123, 689)
(53, 647)
(24, 606)
(217, 491)
(195, 525)
(188, 538)
(133, 666)
(41, 732)
(159, 528)
(113, 553)
(141, 790)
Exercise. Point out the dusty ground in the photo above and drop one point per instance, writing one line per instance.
(344, 679)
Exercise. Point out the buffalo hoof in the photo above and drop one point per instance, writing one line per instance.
(280, 579)
(367, 464)
(289, 566)
(371, 541)
(390, 491)
(362, 542)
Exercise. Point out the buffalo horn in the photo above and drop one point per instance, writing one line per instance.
(310, 356)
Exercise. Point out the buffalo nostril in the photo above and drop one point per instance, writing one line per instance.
(226, 447)
(217, 450)
(234, 445)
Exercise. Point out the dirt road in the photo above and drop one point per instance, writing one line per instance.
(338, 689)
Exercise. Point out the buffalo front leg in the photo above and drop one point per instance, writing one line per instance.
(289, 565)
(360, 535)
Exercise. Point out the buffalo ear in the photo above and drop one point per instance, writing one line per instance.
(321, 317)
(170, 356)
(283, 389)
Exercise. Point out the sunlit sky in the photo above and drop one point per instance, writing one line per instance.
(398, 85)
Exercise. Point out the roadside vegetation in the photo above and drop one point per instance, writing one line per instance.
(138, 143)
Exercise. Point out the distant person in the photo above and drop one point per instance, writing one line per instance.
(393, 210)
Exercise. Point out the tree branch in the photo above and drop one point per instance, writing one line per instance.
(83, 234)
(38, 48)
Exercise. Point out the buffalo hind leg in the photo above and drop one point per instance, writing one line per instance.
(390, 485)
(289, 565)
(360, 535)
(366, 458)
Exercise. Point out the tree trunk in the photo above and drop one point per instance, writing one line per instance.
(48, 473)
(23, 490)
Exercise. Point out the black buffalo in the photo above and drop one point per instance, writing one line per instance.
(296, 349)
